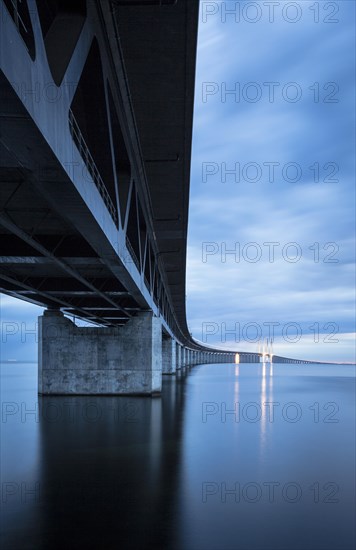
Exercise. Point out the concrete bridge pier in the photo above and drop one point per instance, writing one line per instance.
(99, 360)
(178, 356)
(182, 358)
(169, 355)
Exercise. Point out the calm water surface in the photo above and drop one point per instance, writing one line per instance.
(230, 457)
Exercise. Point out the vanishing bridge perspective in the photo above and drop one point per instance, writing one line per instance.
(95, 150)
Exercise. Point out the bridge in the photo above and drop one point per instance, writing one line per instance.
(250, 357)
(95, 148)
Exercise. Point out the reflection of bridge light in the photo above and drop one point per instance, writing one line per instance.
(236, 385)
(266, 399)
(263, 370)
(263, 400)
(237, 358)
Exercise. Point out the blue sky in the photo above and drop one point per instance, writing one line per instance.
(311, 137)
(305, 133)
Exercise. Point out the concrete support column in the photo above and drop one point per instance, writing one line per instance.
(169, 355)
(182, 358)
(178, 356)
(97, 360)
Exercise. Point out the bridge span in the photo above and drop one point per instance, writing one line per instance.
(95, 148)
(250, 357)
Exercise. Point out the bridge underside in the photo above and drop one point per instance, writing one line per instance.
(123, 100)
(52, 252)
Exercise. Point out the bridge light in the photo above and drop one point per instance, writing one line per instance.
(237, 358)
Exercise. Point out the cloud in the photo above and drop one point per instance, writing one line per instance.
(316, 211)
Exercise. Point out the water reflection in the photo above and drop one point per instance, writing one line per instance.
(20, 491)
(236, 383)
(265, 403)
(106, 467)
(114, 468)
(122, 472)
(238, 476)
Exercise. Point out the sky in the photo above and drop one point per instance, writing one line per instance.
(272, 205)
(273, 179)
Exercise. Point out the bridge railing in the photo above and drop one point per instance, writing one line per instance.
(91, 166)
(19, 13)
(132, 253)
(19, 22)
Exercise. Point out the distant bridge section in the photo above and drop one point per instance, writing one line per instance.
(248, 357)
